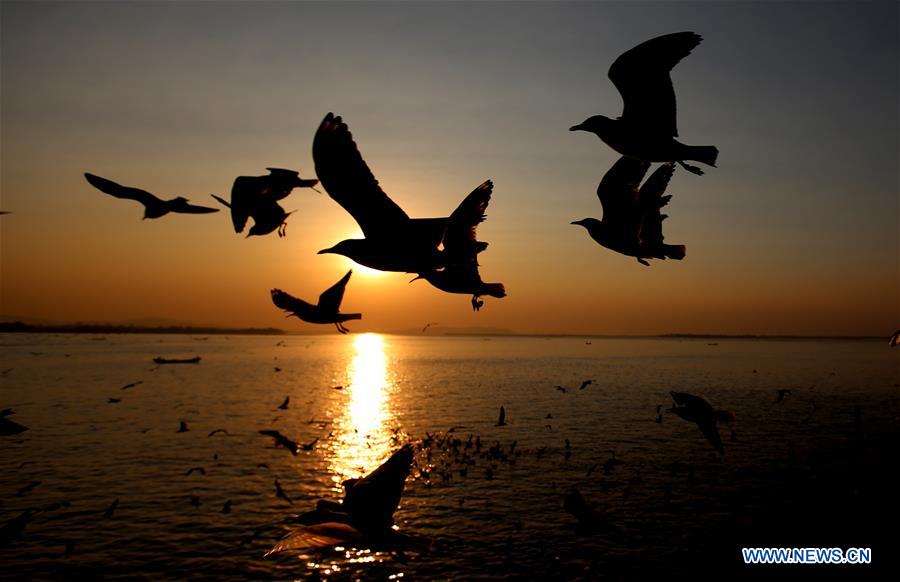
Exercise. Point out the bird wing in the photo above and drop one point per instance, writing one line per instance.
(244, 194)
(695, 404)
(290, 303)
(711, 431)
(651, 200)
(119, 191)
(459, 237)
(348, 180)
(618, 193)
(184, 207)
(642, 77)
(319, 535)
(330, 299)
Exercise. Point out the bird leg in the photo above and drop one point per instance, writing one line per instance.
(690, 168)
(340, 327)
(281, 229)
(477, 304)
(643, 262)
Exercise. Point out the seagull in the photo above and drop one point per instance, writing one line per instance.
(200, 470)
(393, 241)
(561, 389)
(646, 130)
(111, 509)
(226, 508)
(183, 427)
(281, 440)
(217, 431)
(284, 405)
(153, 207)
(279, 492)
(257, 197)
(132, 385)
(365, 515)
(310, 445)
(9, 427)
(501, 420)
(696, 409)
(895, 339)
(195, 500)
(632, 222)
(327, 310)
(460, 275)
(112, 400)
(585, 384)
(782, 393)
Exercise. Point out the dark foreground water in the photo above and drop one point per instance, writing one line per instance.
(817, 469)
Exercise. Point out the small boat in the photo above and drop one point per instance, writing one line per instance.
(161, 360)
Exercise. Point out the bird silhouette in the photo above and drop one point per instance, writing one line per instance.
(696, 409)
(153, 207)
(183, 427)
(461, 248)
(501, 419)
(279, 492)
(284, 405)
(632, 222)
(646, 130)
(281, 440)
(9, 427)
(200, 470)
(365, 515)
(310, 445)
(112, 400)
(132, 385)
(217, 431)
(781, 394)
(895, 339)
(326, 311)
(585, 384)
(257, 197)
(226, 508)
(393, 241)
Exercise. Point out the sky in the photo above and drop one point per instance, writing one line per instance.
(795, 232)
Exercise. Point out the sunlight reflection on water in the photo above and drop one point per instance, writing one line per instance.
(362, 435)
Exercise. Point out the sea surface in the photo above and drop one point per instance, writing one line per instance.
(817, 469)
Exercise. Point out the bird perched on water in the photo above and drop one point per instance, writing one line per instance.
(393, 241)
(696, 409)
(646, 130)
(460, 275)
(365, 515)
(632, 222)
(153, 207)
(182, 427)
(9, 427)
(257, 197)
(327, 310)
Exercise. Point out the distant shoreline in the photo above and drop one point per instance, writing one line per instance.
(92, 328)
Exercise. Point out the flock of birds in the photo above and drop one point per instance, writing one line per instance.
(444, 251)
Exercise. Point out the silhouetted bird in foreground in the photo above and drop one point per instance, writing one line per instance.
(646, 129)
(365, 515)
(326, 311)
(257, 197)
(281, 440)
(9, 427)
(460, 275)
(696, 409)
(153, 207)
(632, 223)
(393, 241)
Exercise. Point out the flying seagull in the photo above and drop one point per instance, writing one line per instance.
(366, 513)
(284, 405)
(326, 311)
(281, 440)
(9, 427)
(895, 339)
(153, 207)
(501, 419)
(632, 223)
(393, 241)
(646, 130)
(460, 275)
(257, 197)
(696, 409)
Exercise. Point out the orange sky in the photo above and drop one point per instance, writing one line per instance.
(795, 232)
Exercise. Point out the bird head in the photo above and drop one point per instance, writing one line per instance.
(597, 124)
(348, 248)
(591, 224)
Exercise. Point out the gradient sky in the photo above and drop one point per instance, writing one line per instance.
(796, 232)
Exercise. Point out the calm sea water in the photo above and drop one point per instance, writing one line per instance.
(810, 471)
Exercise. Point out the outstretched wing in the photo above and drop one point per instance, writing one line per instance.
(618, 194)
(459, 238)
(119, 191)
(348, 180)
(693, 403)
(330, 299)
(184, 207)
(291, 304)
(651, 200)
(319, 535)
(711, 431)
(244, 200)
(642, 77)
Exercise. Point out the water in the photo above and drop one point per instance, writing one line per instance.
(785, 460)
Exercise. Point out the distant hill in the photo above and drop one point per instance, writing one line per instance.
(103, 328)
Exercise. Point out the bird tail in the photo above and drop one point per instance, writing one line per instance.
(703, 154)
(348, 316)
(676, 252)
(494, 290)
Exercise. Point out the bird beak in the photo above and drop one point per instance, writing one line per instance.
(576, 127)
(416, 278)
(578, 222)
(326, 251)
